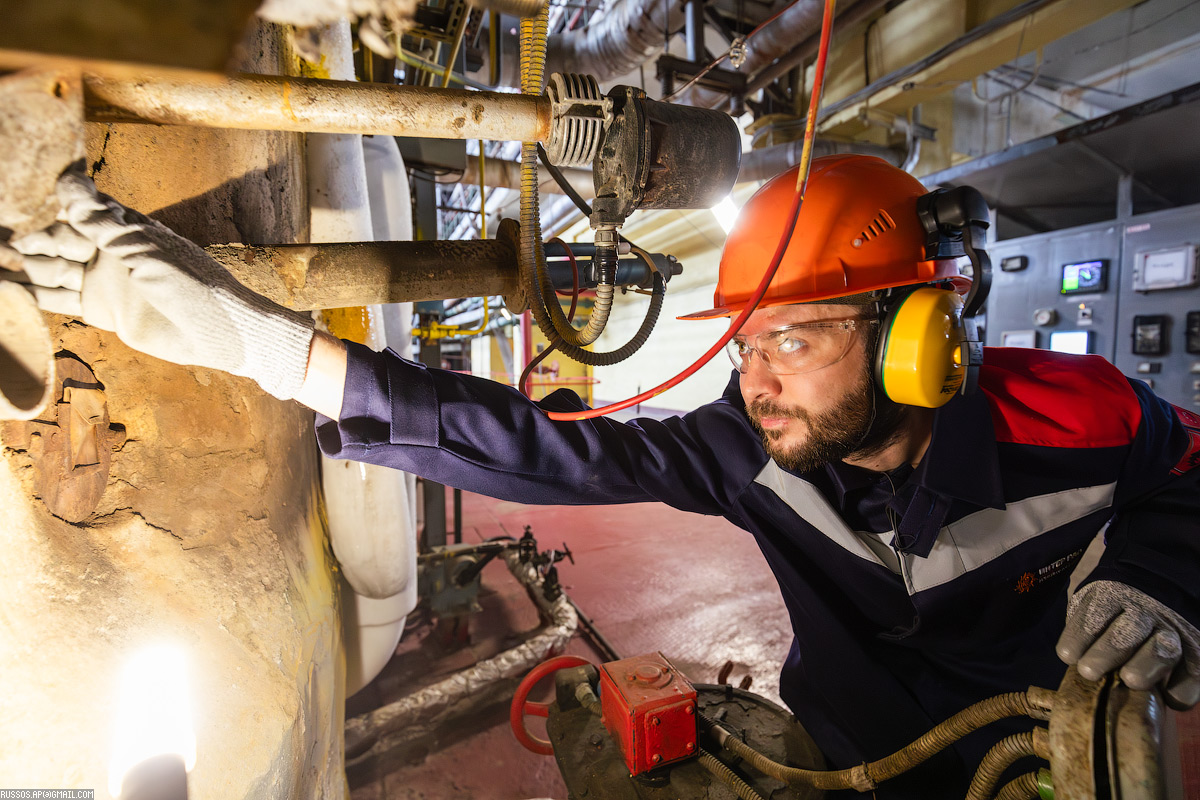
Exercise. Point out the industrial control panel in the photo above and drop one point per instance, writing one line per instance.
(1056, 291)
(1127, 290)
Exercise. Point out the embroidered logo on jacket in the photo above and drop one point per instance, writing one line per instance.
(1029, 580)
(1191, 456)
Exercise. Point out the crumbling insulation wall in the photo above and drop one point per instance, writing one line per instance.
(207, 534)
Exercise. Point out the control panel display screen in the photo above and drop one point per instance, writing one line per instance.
(1077, 342)
(1193, 332)
(1085, 276)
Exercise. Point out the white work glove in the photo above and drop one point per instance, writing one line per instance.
(1113, 626)
(160, 293)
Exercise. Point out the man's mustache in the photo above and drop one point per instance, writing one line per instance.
(767, 408)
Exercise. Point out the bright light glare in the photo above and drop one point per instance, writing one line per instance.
(726, 213)
(154, 714)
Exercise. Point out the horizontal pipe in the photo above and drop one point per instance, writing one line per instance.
(257, 102)
(505, 174)
(311, 276)
(305, 277)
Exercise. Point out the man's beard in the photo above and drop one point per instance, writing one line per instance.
(862, 424)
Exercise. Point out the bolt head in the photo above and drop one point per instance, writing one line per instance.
(656, 758)
(655, 721)
(690, 746)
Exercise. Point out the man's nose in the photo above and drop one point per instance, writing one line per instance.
(757, 381)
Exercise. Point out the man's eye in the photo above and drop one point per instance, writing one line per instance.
(741, 347)
(792, 345)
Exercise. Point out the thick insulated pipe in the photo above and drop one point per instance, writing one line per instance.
(254, 102)
(26, 355)
(310, 276)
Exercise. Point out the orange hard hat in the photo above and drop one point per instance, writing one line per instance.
(858, 231)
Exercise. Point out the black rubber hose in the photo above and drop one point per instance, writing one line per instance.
(728, 777)
(563, 183)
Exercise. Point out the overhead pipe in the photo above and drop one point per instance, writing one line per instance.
(788, 59)
(625, 35)
(254, 102)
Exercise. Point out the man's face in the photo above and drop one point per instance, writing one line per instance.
(809, 419)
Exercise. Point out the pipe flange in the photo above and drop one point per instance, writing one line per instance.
(579, 114)
(509, 232)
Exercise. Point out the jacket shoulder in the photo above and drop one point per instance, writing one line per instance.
(1053, 399)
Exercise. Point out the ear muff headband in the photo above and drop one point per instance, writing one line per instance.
(919, 350)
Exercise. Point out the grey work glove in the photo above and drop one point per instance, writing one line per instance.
(1113, 626)
(160, 293)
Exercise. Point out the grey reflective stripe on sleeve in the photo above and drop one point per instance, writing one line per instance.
(961, 546)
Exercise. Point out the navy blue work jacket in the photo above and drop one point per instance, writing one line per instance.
(1019, 478)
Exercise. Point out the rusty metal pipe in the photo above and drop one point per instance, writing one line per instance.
(254, 102)
(311, 276)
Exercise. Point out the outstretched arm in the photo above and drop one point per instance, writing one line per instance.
(325, 378)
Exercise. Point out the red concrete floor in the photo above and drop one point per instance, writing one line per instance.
(651, 578)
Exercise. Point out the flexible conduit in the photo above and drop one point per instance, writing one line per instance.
(531, 257)
(865, 777)
(1003, 755)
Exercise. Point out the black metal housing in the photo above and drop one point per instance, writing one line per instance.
(660, 155)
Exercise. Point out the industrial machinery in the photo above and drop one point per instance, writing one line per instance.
(638, 729)
(1128, 290)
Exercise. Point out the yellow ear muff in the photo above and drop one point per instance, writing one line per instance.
(918, 356)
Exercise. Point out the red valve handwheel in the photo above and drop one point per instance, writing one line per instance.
(520, 706)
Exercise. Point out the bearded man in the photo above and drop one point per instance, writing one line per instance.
(922, 536)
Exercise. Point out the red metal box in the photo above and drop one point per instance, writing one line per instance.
(649, 708)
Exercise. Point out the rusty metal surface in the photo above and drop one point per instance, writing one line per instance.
(1072, 736)
(255, 102)
(307, 276)
(1133, 726)
(41, 125)
(73, 445)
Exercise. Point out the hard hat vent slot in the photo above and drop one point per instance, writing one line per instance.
(882, 223)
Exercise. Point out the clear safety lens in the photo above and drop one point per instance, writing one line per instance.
(804, 347)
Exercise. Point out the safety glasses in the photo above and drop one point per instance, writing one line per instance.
(799, 348)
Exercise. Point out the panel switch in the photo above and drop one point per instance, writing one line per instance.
(1149, 367)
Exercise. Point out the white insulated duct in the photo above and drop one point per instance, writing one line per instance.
(621, 37)
(798, 22)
